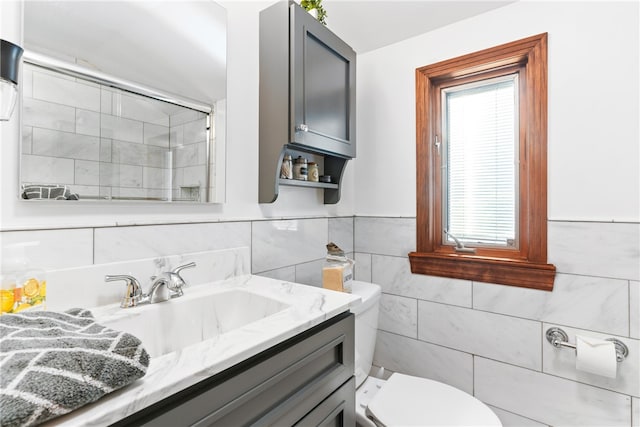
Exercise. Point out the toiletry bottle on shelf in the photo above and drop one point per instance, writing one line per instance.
(286, 170)
(300, 169)
(313, 172)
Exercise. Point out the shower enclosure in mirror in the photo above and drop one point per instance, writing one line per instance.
(123, 101)
(98, 137)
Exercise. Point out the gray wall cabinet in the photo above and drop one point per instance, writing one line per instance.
(307, 98)
(307, 380)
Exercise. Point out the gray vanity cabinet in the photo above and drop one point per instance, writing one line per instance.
(305, 381)
(307, 98)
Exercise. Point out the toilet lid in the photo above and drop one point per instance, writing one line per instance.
(411, 401)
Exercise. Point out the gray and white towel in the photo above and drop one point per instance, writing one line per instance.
(52, 363)
(48, 191)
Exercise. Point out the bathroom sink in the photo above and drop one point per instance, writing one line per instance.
(197, 316)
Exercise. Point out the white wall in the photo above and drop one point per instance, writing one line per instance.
(242, 154)
(593, 138)
(488, 339)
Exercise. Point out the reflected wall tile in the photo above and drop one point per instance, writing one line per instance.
(288, 274)
(399, 315)
(413, 357)
(106, 100)
(581, 301)
(156, 135)
(395, 277)
(105, 149)
(634, 309)
(562, 362)
(139, 154)
(595, 249)
(56, 248)
(192, 176)
(498, 337)
(549, 399)
(195, 131)
(54, 143)
(46, 170)
(86, 173)
(58, 90)
(156, 178)
(86, 191)
(189, 155)
(27, 138)
(116, 175)
(288, 242)
(87, 122)
(126, 243)
(509, 419)
(363, 267)
(310, 273)
(120, 128)
(385, 236)
(341, 233)
(47, 115)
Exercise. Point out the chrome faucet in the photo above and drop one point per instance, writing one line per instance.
(167, 285)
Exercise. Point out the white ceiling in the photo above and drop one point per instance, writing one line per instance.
(371, 24)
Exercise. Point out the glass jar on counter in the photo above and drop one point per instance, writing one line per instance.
(300, 171)
(313, 172)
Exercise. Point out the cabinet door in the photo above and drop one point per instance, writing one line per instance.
(323, 82)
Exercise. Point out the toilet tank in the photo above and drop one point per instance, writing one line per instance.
(366, 326)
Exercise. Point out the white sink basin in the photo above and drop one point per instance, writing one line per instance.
(200, 315)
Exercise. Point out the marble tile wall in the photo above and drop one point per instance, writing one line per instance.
(488, 339)
(78, 259)
(485, 339)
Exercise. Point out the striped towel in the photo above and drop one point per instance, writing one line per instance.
(52, 363)
(48, 191)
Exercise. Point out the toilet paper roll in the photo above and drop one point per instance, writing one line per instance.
(596, 356)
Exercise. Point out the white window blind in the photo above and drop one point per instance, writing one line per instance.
(480, 166)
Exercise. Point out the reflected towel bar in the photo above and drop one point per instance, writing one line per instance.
(559, 338)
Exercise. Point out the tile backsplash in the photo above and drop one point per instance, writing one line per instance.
(489, 340)
(485, 339)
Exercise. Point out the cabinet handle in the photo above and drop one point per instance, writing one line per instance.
(304, 128)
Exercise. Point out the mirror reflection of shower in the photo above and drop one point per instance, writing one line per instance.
(98, 141)
(175, 47)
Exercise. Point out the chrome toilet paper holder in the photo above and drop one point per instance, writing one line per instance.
(559, 338)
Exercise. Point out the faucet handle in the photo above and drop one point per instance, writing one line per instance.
(133, 294)
(178, 269)
(177, 282)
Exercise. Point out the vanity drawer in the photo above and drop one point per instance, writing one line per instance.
(279, 386)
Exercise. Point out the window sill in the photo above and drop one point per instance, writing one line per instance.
(481, 269)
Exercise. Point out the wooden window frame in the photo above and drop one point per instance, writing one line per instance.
(527, 265)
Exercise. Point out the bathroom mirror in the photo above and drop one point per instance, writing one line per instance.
(123, 100)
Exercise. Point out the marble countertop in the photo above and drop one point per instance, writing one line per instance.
(169, 373)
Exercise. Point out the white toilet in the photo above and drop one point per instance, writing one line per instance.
(404, 400)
